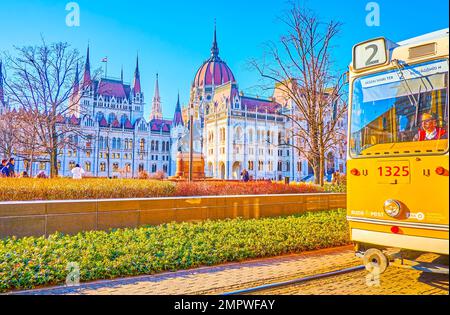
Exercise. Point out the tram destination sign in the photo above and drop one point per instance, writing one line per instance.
(409, 73)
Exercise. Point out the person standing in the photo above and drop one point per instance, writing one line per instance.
(10, 167)
(41, 174)
(245, 175)
(77, 172)
(4, 170)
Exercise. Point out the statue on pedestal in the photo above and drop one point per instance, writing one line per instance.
(183, 156)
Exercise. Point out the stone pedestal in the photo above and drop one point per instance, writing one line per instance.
(198, 166)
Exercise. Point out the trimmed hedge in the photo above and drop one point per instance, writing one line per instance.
(20, 189)
(29, 262)
(335, 188)
(217, 188)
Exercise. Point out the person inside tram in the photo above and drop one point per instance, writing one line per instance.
(429, 129)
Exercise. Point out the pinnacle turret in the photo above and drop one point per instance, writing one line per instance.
(156, 104)
(137, 78)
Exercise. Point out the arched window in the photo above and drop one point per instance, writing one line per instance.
(157, 145)
(152, 147)
(119, 144)
(111, 118)
(123, 119)
(238, 134)
(260, 165)
(163, 146)
(153, 168)
(142, 145)
(99, 116)
(250, 136)
(87, 166)
(113, 143)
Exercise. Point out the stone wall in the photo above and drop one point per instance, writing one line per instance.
(38, 218)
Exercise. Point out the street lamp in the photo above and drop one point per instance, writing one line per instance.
(191, 140)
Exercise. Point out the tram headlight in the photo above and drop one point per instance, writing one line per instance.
(392, 208)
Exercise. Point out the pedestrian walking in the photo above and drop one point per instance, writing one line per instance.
(77, 172)
(10, 167)
(4, 170)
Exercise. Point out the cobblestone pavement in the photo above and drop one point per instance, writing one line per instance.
(394, 281)
(235, 276)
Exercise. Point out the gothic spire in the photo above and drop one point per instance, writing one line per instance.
(76, 81)
(157, 97)
(137, 78)
(178, 117)
(87, 70)
(156, 105)
(2, 95)
(215, 47)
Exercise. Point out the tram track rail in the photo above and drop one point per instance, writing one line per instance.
(274, 285)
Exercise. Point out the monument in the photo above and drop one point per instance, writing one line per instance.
(183, 155)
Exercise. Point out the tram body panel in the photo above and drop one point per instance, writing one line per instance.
(423, 193)
(397, 179)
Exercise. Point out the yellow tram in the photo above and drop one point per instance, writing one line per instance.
(398, 167)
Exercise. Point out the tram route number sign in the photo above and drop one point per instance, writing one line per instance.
(370, 53)
(393, 172)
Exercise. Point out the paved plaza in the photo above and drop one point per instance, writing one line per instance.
(234, 276)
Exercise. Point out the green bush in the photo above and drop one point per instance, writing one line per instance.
(29, 262)
(335, 188)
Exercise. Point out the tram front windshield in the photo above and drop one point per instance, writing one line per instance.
(399, 108)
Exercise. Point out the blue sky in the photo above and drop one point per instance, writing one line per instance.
(174, 37)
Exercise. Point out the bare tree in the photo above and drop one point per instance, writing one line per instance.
(311, 91)
(40, 84)
(18, 138)
(8, 133)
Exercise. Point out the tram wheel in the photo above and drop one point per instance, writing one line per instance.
(375, 260)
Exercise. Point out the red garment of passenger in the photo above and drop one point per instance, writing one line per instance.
(439, 133)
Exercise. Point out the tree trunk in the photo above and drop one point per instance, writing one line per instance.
(54, 163)
(54, 154)
(322, 166)
(316, 169)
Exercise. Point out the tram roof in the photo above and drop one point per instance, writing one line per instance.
(428, 36)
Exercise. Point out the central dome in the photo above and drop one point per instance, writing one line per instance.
(214, 71)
